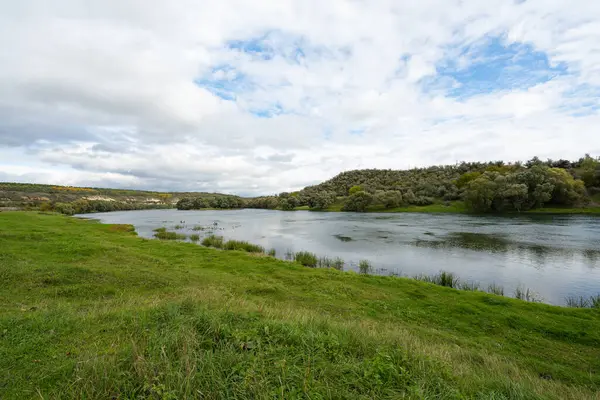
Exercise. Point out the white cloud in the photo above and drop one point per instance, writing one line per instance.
(106, 91)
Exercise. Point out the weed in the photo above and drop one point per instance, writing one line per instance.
(272, 252)
(198, 228)
(166, 235)
(306, 258)
(177, 227)
(243, 246)
(496, 289)
(365, 267)
(470, 286)
(213, 241)
(194, 237)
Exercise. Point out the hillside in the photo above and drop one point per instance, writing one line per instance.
(70, 199)
(562, 185)
(92, 311)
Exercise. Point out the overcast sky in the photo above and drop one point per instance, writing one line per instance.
(257, 97)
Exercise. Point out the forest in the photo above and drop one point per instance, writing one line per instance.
(483, 187)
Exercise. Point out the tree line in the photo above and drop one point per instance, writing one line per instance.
(484, 187)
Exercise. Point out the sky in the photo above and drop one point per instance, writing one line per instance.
(258, 97)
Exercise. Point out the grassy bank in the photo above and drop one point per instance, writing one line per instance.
(92, 311)
(458, 207)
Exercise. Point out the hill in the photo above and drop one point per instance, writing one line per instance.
(465, 187)
(77, 200)
(92, 311)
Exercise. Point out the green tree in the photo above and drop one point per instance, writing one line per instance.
(358, 201)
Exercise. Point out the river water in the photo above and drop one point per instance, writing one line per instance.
(555, 256)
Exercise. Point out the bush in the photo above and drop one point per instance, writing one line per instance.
(306, 258)
(243, 246)
(365, 267)
(163, 234)
(358, 201)
(213, 241)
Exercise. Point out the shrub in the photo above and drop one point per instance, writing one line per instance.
(166, 235)
(358, 201)
(365, 267)
(306, 258)
(213, 241)
(243, 246)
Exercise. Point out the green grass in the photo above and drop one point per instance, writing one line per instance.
(459, 207)
(91, 311)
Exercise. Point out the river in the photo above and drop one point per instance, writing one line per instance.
(555, 256)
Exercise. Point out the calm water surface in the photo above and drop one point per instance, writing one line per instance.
(556, 256)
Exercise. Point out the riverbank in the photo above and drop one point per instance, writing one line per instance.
(91, 310)
(458, 207)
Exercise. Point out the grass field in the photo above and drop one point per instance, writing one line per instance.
(91, 311)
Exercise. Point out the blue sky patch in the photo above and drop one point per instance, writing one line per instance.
(493, 65)
(226, 82)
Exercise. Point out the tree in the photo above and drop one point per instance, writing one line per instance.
(358, 201)
(355, 189)
(322, 200)
(389, 199)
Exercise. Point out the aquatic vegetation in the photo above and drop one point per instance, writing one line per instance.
(213, 241)
(335, 263)
(496, 289)
(272, 253)
(365, 267)
(470, 286)
(198, 228)
(166, 235)
(527, 294)
(583, 302)
(178, 226)
(242, 245)
(306, 258)
(343, 238)
(194, 237)
(444, 278)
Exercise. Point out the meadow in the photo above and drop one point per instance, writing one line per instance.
(93, 311)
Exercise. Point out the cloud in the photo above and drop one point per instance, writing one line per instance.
(259, 97)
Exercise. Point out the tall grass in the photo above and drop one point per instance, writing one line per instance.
(194, 237)
(243, 246)
(583, 302)
(306, 258)
(527, 294)
(365, 267)
(166, 235)
(213, 241)
(470, 286)
(444, 278)
(272, 253)
(198, 228)
(496, 289)
(177, 227)
(335, 263)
